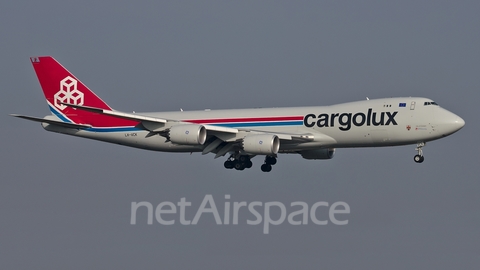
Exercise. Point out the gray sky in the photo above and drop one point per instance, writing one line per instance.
(65, 201)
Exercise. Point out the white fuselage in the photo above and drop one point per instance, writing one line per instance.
(367, 123)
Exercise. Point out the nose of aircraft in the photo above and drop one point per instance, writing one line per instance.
(450, 122)
(458, 122)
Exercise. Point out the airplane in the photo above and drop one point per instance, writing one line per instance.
(313, 132)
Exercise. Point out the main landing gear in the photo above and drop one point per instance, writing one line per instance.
(269, 161)
(419, 157)
(240, 163)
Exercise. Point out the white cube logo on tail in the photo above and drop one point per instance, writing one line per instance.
(68, 93)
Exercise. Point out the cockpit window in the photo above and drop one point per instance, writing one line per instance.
(430, 103)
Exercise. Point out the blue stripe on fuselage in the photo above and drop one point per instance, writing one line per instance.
(94, 129)
(260, 124)
(59, 115)
(115, 129)
(232, 125)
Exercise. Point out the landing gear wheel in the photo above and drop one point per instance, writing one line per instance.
(239, 166)
(243, 158)
(418, 158)
(270, 160)
(266, 167)
(248, 164)
(228, 164)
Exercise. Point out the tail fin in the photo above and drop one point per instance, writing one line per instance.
(60, 86)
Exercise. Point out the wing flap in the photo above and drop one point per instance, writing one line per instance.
(221, 129)
(301, 137)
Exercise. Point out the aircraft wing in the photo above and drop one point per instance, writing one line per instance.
(152, 124)
(226, 138)
(299, 136)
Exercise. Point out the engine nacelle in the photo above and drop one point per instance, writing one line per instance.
(264, 144)
(188, 134)
(318, 153)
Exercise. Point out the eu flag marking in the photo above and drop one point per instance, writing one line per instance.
(402, 105)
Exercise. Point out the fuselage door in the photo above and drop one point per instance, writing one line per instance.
(412, 105)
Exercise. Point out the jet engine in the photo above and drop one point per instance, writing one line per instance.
(264, 144)
(327, 153)
(188, 134)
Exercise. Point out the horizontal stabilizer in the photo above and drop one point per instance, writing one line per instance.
(52, 122)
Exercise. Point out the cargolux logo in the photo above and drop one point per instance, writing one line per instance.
(68, 93)
(345, 120)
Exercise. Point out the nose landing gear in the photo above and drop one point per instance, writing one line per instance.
(419, 157)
